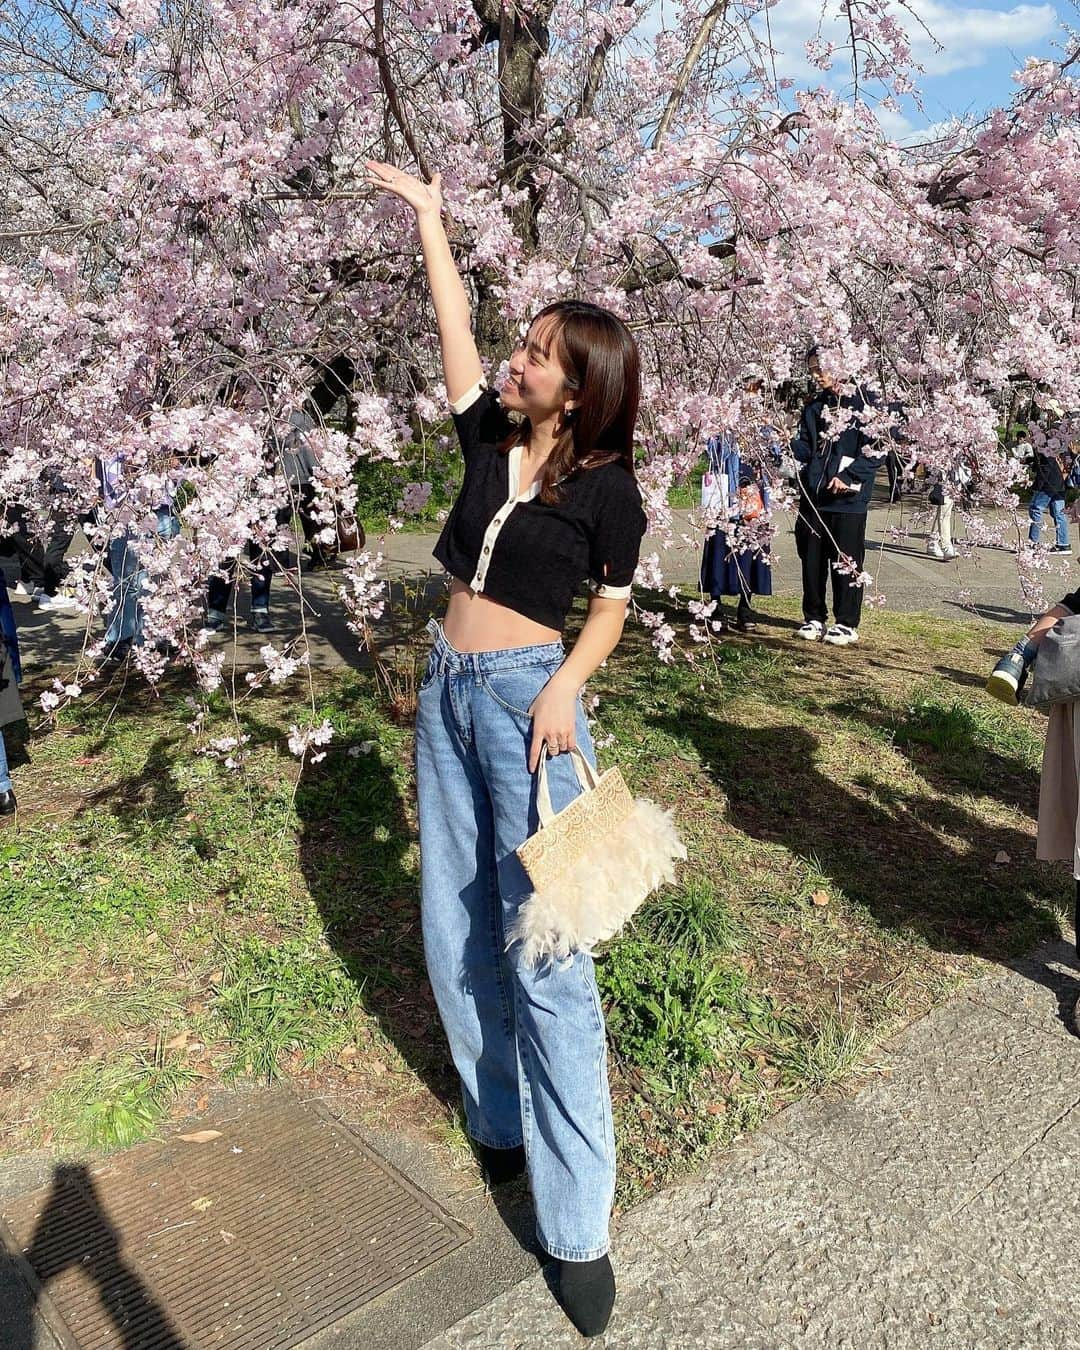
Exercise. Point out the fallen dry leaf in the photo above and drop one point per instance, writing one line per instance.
(177, 1042)
(821, 898)
(1002, 857)
(202, 1204)
(201, 1136)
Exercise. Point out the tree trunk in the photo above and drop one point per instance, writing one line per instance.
(523, 40)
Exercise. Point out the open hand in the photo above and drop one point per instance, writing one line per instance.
(420, 196)
(838, 485)
(554, 715)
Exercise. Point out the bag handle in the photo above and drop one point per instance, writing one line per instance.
(587, 777)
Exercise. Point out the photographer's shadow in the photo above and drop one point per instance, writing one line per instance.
(74, 1232)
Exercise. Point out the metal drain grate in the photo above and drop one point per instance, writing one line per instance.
(251, 1241)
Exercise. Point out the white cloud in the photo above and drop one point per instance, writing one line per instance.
(969, 35)
(898, 127)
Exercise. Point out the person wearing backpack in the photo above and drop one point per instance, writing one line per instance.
(1051, 481)
(735, 492)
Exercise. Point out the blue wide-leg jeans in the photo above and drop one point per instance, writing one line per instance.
(528, 1043)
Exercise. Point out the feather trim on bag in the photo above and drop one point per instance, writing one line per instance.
(593, 864)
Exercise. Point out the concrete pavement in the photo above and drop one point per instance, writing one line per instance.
(934, 1208)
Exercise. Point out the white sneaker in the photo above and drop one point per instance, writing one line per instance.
(936, 551)
(840, 635)
(58, 601)
(950, 554)
(29, 592)
(811, 630)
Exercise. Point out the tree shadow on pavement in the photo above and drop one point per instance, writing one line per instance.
(1004, 614)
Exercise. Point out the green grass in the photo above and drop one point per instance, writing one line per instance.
(278, 998)
(693, 918)
(113, 1104)
(843, 816)
(829, 1053)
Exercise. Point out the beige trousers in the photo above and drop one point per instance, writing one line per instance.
(1059, 795)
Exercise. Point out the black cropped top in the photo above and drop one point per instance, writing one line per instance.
(520, 551)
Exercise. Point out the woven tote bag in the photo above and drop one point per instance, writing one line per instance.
(591, 865)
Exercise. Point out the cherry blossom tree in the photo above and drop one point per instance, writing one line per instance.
(189, 253)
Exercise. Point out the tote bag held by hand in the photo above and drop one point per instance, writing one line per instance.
(591, 864)
(1056, 675)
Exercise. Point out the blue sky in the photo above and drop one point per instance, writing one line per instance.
(982, 42)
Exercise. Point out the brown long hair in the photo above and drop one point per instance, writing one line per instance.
(600, 360)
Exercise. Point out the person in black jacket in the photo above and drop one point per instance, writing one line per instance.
(836, 479)
(1049, 494)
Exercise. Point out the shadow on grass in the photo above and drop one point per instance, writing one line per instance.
(950, 744)
(966, 677)
(357, 855)
(915, 865)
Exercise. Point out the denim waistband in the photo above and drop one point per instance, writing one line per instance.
(453, 662)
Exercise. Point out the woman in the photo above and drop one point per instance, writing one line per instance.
(738, 491)
(10, 704)
(1059, 794)
(544, 506)
(950, 487)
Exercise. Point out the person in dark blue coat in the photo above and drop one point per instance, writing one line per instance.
(836, 479)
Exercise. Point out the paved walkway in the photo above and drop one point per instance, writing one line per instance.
(936, 1208)
(983, 585)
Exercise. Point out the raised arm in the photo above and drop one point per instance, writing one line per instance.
(461, 361)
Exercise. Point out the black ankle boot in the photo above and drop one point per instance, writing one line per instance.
(587, 1293)
(8, 804)
(500, 1165)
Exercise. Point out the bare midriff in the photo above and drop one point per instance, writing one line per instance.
(474, 623)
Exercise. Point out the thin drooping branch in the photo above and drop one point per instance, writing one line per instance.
(386, 77)
(682, 80)
(595, 71)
